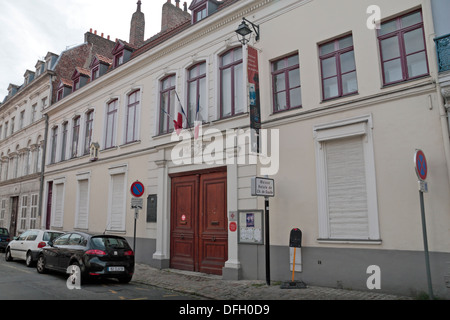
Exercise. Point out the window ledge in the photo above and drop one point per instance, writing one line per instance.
(349, 241)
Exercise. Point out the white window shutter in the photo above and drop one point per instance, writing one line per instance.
(59, 205)
(347, 192)
(117, 221)
(83, 205)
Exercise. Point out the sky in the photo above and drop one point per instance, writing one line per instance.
(31, 28)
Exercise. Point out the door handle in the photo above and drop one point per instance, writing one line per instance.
(182, 237)
(214, 239)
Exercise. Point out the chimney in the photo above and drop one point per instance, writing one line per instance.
(173, 15)
(137, 28)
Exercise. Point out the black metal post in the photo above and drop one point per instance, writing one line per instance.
(136, 212)
(267, 241)
(425, 244)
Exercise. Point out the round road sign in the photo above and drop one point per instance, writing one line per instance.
(420, 163)
(137, 189)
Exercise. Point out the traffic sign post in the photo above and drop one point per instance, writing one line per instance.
(265, 187)
(421, 167)
(137, 191)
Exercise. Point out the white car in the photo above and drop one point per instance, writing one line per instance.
(29, 244)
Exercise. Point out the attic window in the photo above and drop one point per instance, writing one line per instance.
(118, 59)
(200, 13)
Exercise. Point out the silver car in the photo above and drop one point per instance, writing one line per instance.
(29, 244)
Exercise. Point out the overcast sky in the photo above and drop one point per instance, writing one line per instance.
(31, 28)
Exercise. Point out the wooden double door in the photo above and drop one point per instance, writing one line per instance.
(199, 234)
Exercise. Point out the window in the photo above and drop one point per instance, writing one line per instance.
(337, 60)
(34, 210)
(23, 213)
(88, 131)
(117, 203)
(118, 59)
(33, 113)
(111, 121)
(82, 211)
(132, 117)
(12, 124)
(63, 240)
(6, 129)
(2, 213)
(54, 145)
(21, 119)
(75, 136)
(402, 48)
(76, 84)
(286, 84)
(58, 205)
(346, 178)
(200, 14)
(95, 72)
(197, 96)
(231, 83)
(167, 104)
(65, 128)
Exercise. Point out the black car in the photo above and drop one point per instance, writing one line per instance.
(97, 256)
(4, 239)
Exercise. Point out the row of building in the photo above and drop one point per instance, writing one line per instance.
(344, 95)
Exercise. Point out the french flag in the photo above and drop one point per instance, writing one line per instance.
(178, 123)
(197, 122)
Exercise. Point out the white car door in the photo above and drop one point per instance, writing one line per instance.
(18, 246)
(30, 242)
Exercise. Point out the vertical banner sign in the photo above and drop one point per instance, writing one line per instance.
(253, 87)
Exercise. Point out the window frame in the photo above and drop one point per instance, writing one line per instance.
(136, 106)
(231, 66)
(286, 70)
(362, 127)
(163, 115)
(197, 80)
(89, 124)
(111, 112)
(399, 34)
(76, 122)
(54, 145)
(337, 53)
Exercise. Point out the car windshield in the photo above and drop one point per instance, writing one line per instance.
(3, 232)
(104, 242)
(50, 236)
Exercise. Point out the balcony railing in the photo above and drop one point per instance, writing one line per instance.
(443, 52)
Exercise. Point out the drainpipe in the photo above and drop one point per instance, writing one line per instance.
(44, 152)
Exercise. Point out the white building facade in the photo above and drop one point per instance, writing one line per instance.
(344, 106)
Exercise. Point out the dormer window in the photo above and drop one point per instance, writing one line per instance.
(80, 78)
(200, 14)
(202, 8)
(122, 52)
(118, 60)
(64, 89)
(99, 66)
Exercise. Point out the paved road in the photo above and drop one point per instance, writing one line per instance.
(17, 282)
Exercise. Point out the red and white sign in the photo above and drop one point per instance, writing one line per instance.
(420, 163)
(233, 226)
(137, 189)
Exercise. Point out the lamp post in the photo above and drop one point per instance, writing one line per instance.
(244, 30)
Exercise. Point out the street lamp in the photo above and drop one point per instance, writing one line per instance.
(244, 30)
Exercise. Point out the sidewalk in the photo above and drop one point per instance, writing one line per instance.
(213, 287)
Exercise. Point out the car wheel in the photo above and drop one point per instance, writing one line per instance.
(8, 256)
(29, 260)
(40, 266)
